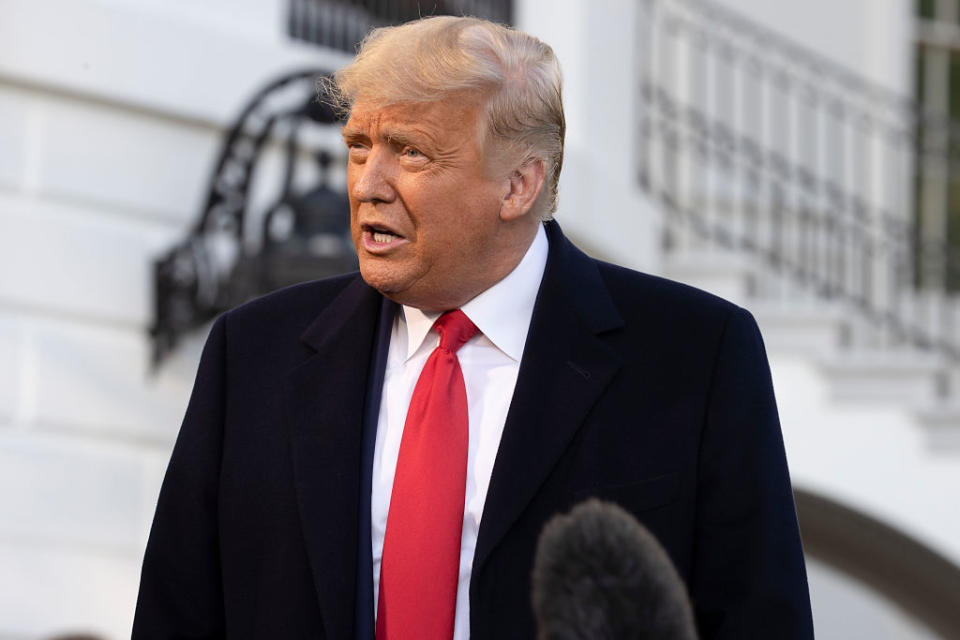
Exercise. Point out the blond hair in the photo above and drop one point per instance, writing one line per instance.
(429, 59)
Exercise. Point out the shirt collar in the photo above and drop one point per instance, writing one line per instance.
(502, 313)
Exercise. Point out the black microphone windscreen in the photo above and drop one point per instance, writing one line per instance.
(599, 574)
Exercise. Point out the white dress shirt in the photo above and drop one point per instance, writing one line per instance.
(490, 362)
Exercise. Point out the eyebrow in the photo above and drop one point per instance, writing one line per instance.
(403, 138)
(349, 133)
(390, 135)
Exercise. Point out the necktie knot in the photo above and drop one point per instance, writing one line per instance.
(455, 328)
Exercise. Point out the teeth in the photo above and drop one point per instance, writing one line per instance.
(381, 236)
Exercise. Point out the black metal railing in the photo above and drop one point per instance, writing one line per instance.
(753, 143)
(341, 24)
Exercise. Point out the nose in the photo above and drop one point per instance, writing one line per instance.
(373, 180)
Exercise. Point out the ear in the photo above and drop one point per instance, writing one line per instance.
(525, 185)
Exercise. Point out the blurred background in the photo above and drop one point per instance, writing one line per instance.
(162, 161)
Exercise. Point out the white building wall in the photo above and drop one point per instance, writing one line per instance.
(872, 38)
(873, 457)
(599, 203)
(111, 113)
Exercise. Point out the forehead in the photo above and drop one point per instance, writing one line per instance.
(448, 118)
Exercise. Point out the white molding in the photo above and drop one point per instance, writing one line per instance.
(144, 56)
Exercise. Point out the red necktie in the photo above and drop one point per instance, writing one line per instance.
(421, 547)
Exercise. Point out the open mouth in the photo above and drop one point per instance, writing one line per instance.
(381, 235)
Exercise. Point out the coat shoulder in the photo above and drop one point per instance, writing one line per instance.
(273, 328)
(292, 307)
(672, 303)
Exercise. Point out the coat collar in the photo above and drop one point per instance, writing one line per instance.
(565, 368)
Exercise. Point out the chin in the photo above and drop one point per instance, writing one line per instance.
(385, 283)
(406, 288)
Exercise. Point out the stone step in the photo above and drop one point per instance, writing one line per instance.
(902, 377)
(859, 361)
(941, 421)
(801, 328)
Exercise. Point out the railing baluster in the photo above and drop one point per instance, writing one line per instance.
(754, 156)
(774, 150)
(725, 143)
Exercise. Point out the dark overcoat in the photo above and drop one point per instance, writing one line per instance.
(632, 388)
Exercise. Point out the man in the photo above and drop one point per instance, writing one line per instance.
(376, 454)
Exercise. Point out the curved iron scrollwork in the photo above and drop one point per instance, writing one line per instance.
(254, 237)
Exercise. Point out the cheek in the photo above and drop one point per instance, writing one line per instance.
(453, 216)
(354, 225)
(351, 178)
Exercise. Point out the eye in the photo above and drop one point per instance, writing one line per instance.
(410, 152)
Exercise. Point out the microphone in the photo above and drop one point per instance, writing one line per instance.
(598, 574)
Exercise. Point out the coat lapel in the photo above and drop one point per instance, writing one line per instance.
(325, 397)
(565, 368)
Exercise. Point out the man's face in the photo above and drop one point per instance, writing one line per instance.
(423, 212)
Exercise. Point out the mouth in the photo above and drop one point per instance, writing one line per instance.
(378, 238)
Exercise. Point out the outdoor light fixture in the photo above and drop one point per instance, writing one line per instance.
(252, 237)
